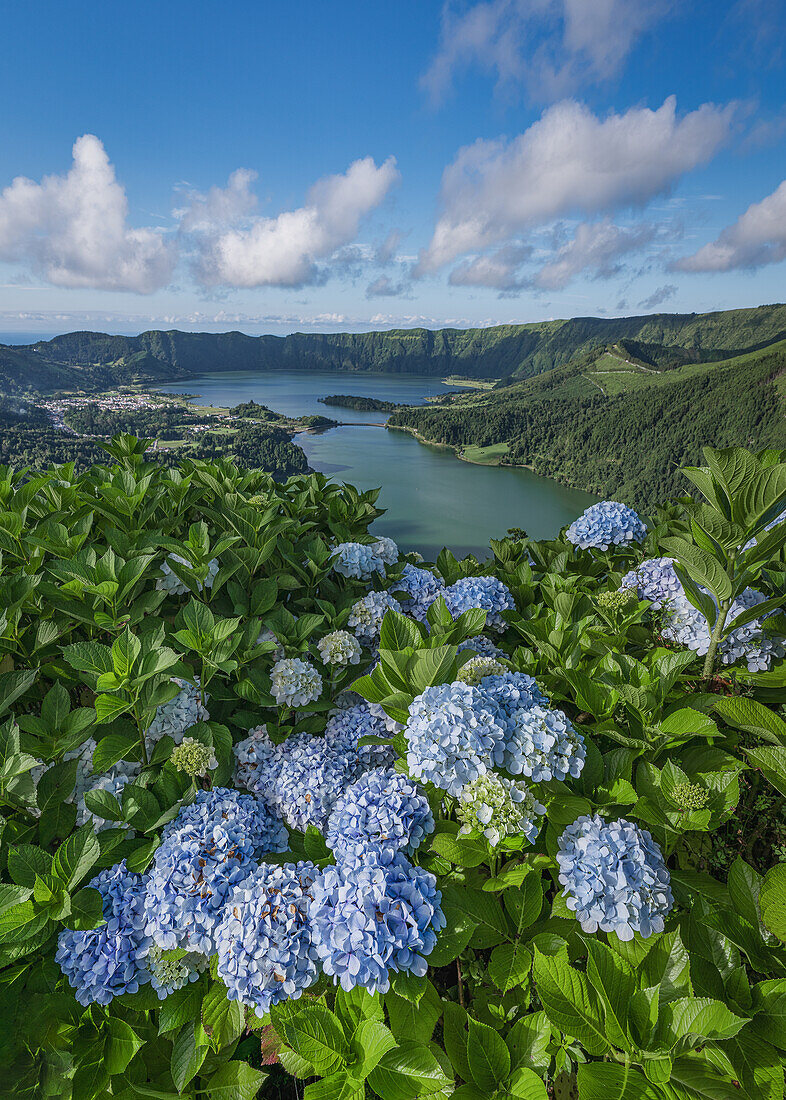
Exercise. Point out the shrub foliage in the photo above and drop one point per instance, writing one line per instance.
(513, 840)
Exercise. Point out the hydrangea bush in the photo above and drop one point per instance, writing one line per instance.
(280, 800)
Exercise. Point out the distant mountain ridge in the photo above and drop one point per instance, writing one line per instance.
(91, 360)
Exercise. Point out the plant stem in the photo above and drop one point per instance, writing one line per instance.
(717, 634)
(460, 982)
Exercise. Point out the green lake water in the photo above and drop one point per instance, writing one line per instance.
(432, 498)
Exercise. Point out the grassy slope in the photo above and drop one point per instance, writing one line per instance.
(504, 351)
(628, 444)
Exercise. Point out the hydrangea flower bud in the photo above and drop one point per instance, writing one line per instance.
(193, 758)
(477, 668)
(172, 970)
(690, 796)
(499, 808)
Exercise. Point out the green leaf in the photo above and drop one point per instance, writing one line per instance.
(187, 1057)
(25, 862)
(87, 910)
(114, 747)
(398, 632)
(90, 1080)
(769, 1006)
(235, 1081)
(614, 982)
(463, 851)
(75, 856)
(414, 1021)
(744, 885)
(748, 714)
(109, 707)
(222, 1019)
(570, 1002)
(606, 1081)
(489, 1057)
(772, 761)
(338, 1086)
(369, 1044)
(357, 1004)
(121, 1045)
(525, 1084)
(509, 965)
(180, 1007)
(772, 901)
(407, 1071)
(699, 1017)
(315, 1034)
(103, 804)
(483, 909)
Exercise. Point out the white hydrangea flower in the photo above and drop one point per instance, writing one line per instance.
(172, 584)
(295, 683)
(193, 758)
(339, 648)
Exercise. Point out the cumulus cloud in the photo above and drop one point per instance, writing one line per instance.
(757, 238)
(660, 295)
(568, 162)
(73, 229)
(595, 248)
(236, 249)
(499, 270)
(553, 46)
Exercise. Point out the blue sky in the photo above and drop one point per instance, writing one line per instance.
(316, 166)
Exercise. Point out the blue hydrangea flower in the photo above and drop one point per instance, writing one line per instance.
(171, 970)
(373, 915)
(367, 614)
(499, 808)
(655, 580)
(606, 524)
(179, 714)
(355, 559)
(615, 877)
(453, 732)
(381, 809)
(255, 757)
(309, 774)
(542, 744)
(346, 728)
(386, 549)
(482, 645)
(511, 692)
(487, 593)
(295, 683)
(422, 588)
(210, 846)
(104, 962)
(264, 942)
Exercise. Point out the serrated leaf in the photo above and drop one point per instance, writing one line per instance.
(488, 1056)
(509, 965)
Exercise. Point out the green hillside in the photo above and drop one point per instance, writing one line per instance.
(618, 431)
(94, 360)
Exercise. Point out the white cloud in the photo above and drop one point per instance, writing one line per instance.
(234, 249)
(568, 162)
(553, 46)
(757, 238)
(385, 287)
(73, 230)
(597, 248)
(498, 271)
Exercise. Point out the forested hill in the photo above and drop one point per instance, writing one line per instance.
(504, 351)
(614, 425)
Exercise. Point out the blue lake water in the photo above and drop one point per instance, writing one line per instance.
(432, 498)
